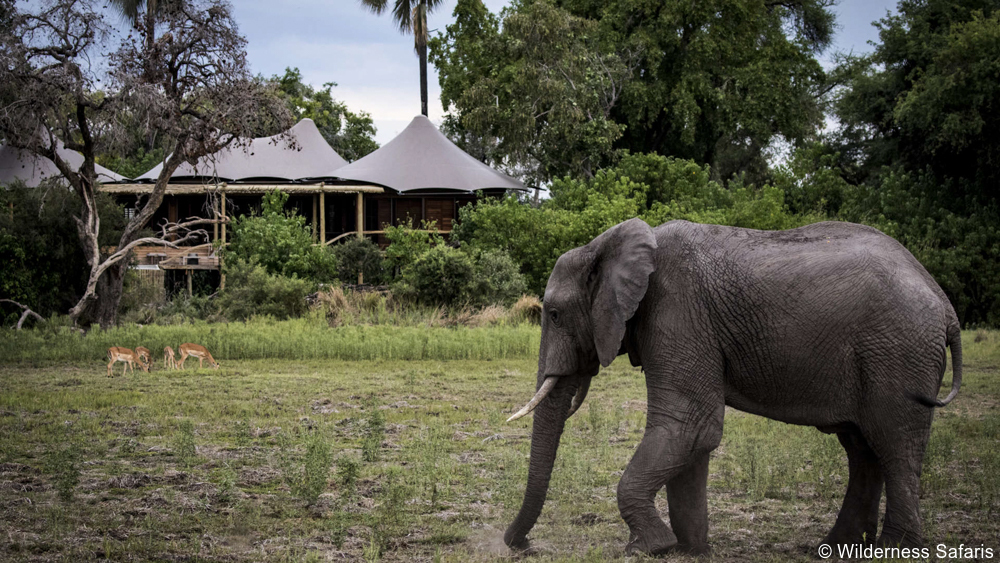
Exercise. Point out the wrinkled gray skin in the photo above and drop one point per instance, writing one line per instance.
(833, 325)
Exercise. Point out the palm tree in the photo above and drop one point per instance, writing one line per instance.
(411, 17)
(131, 10)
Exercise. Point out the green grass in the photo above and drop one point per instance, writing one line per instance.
(223, 465)
(308, 338)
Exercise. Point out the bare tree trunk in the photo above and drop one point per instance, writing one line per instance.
(102, 308)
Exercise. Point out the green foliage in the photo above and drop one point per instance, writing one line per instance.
(374, 432)
(298, 339)
(135, 164)
(540, 84)
(406, 243)
(926, 99)
(351, 134)
(307, 479)
(655, 188)
(281, 242)
(348, 470)
(63, 464)
(40, 256)
(497, 278)
(251, 290)
(360, 255)
(560, 87)
(183, 446)
(441, 275)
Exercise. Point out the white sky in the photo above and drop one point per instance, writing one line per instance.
(375, 66)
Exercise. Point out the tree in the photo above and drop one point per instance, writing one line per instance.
(537, 94)
(411, 17)
(351, 134)
(928, 99)
(717, 82)
(191, 85)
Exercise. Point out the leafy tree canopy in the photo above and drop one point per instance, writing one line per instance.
(561, 85)
(928, 99)
(351, 134)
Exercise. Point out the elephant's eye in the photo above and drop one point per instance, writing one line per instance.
(554, 315)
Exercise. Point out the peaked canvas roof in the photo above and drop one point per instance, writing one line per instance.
(32, 169)
(421, 157)
(266, 158)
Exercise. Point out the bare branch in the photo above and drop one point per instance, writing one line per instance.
(27, 312)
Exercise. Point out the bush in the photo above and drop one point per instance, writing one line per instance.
(251, 290)
(40, 255)
(406, 243)
(440, 276)
(359, 255)
(281, 242)
(498, 278)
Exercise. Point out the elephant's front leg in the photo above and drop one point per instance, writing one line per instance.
(687, 495)
(663, 454)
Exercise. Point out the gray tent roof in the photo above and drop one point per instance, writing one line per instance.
(32, 169)
(421, 157)
(265, 158)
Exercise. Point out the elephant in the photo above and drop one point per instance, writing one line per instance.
(832, 325)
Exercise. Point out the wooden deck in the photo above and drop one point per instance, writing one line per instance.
(201, 257)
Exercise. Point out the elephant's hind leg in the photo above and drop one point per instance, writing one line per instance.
(900, 450)
(687, 495)
(858, 518)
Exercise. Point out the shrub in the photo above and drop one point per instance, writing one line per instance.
(40, 257)
(498, 278)
(359, 255)
(440, 276)
(406, 243)
(374, 431)
(281, 242)
(64, 466)
(251, 290)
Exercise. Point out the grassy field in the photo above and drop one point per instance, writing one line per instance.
(231, 465)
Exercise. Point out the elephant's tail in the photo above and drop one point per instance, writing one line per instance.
(955, 344)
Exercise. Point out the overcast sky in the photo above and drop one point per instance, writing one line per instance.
(375, 66)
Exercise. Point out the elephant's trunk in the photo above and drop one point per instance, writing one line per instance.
(546, 429)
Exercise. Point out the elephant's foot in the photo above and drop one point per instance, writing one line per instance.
(850, 535)
(895, 537)
(652, 540)
(693, 549)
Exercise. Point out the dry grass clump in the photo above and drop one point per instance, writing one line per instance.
(527, 309)
(335, 305)
(347, 307)
(490, 315)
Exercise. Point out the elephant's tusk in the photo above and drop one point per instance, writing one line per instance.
(547, 386)
(581, 394)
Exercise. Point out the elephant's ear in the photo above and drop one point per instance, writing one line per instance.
(622, 263)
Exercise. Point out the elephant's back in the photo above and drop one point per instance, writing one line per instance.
(832, 265)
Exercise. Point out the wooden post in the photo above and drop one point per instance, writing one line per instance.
(361, 215)
(322, 214)
(315, 216)
(215, 226)
(190, 283)
(361, 228)
(223, 215)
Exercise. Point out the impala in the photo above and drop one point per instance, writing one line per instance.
(144, 354)
(199, 352)
(168, 358)
(128, 357)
